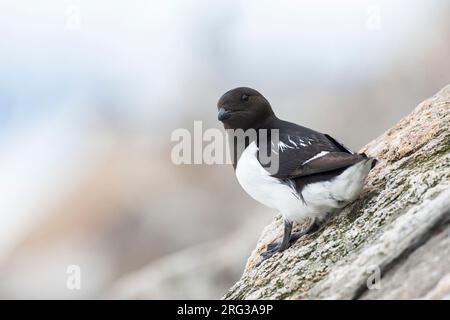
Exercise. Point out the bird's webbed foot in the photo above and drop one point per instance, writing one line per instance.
(273, 248)
(311, 228)
(276, 247)
(288, 239)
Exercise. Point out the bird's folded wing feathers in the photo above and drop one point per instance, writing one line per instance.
(293, 167)
(311, 152)
(328, 162)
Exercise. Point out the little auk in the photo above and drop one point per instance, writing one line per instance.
(316, 175)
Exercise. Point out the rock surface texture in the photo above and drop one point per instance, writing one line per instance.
(397, 229)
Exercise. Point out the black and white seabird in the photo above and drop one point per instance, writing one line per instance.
(316, 174)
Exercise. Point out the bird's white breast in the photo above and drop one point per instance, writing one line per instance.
(270, 191)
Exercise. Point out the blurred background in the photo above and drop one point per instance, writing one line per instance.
(90, 92)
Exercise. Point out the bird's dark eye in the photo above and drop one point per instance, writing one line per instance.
(244, 97)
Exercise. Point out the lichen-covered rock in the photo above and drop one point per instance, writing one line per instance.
(397, 228)
(425, 273)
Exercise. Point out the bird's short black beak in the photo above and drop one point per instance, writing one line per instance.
(223, 114)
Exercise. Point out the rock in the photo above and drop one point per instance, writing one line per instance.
(424, 273)
(397, 229)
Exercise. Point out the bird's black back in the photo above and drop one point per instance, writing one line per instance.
(298, 145)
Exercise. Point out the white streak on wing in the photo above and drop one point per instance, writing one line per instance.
(284, 146)
(301, 142)
(320, 154)
(295, 145)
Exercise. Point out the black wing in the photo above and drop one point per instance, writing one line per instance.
(302, 152)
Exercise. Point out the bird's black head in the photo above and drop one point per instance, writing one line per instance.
(243, 108)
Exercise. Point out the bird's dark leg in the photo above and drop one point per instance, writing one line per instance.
(311, 228)
(279, 247)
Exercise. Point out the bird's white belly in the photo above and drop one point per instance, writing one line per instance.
(319, 198)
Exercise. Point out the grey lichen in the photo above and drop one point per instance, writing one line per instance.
(403, 200)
